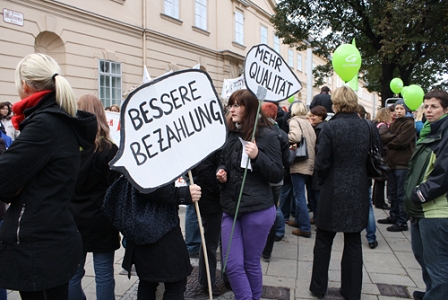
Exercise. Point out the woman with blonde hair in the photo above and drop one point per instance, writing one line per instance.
(115, 108)
(300, 128)
(98, 235)
(343, 204)
(40, 245)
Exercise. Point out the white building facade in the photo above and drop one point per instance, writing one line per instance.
(102, 45)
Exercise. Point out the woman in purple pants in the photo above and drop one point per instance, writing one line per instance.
(256, 212)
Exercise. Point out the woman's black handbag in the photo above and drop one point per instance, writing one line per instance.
(376, 165)
(134, 214)
(302, 149)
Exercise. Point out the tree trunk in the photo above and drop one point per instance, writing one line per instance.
(386, 77)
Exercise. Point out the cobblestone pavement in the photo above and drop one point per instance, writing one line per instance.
(390, 271)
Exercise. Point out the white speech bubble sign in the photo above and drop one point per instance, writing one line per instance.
(168, 126)
(264, 67)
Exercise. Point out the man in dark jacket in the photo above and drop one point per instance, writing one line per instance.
(324, 99)
(400, 146)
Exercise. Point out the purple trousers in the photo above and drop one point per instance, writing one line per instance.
(243, 266)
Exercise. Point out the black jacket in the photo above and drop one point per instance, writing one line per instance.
(40, 245)
(323, 100)
(266, 167)
(167, 259)
(205, 177)
(95, 176)
(428, 175)
(343, 204)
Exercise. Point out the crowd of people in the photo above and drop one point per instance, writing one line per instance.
(60, 148)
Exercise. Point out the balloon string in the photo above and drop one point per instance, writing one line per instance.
(241, 191)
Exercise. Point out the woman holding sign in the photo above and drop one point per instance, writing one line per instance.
(254, 211)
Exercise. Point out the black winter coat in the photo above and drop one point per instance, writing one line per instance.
(40, 245)
(205, 177)
(95, 176)
(266, 167)
(323, 100)
(343, 204)
(314, 180)
(167, 259)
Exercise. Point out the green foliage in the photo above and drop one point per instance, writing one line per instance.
(400, 38)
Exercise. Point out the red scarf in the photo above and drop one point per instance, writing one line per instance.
(28, 102)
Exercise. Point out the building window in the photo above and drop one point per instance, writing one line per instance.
(290, 58)
(172, 8)
(200, 12)
(263, 35)
(239, 27)
(110, 82)
(299, 62)
(276, 44)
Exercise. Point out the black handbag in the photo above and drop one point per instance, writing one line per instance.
(376, 165)
(134, 214)
(302, 149)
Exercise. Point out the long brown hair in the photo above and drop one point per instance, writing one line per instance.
(245, 98)
(93, 105)
(384, 115)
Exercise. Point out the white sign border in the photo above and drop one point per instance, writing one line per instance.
(122, 169)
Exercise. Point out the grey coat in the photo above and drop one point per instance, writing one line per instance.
(341, 170)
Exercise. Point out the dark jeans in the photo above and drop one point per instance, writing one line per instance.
(173, 290)
(287, 199)
(212, 235)
(395, 191)
(192, 233)
(429, 239)
(351, 264)
(56, 293)
(371, 224)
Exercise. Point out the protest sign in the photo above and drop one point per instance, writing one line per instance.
(113, 119)
(264, 68)
(231, 85)
(167, 127)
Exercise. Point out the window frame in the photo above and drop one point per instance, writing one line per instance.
(171, 8)
(110, 93)
(239, 27)
(263, 38)
(299, 62)
(276, 43)
(200, 14)
(290, 58)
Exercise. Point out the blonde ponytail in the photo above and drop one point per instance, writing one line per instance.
(41, 72)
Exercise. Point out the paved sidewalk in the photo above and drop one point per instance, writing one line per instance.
(390, 271)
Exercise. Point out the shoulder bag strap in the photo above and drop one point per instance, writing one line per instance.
(372, 137)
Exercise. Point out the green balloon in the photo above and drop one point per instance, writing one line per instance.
(403, 91)
(396, 85)
(346, 61)
(413, 97)
(291, 99)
